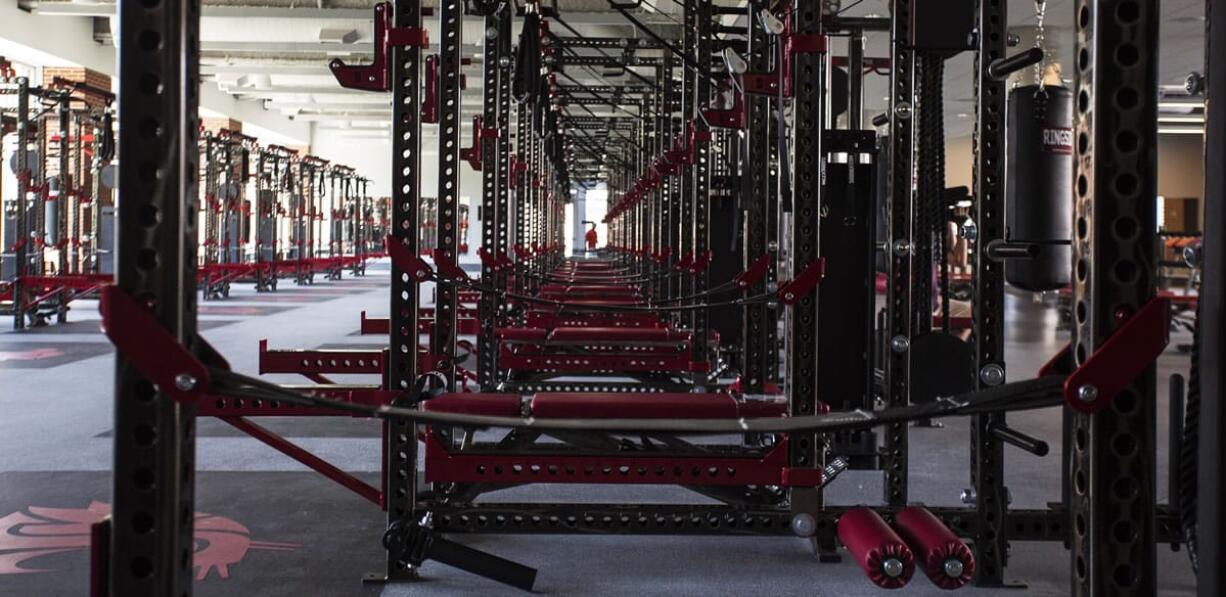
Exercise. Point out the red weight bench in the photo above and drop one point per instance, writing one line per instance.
(551, 319)
(450, 462)
(580, 350)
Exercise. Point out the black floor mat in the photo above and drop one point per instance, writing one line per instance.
(257, 533)
(94, 326)
(31, 355)
(239, 310)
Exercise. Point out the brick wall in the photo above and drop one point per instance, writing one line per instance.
(213, 125)
(79, 75)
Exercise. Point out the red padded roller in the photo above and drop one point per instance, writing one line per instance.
(615, 334)
(493, 405)
(946, 560)
(522, 334)
(879, 551)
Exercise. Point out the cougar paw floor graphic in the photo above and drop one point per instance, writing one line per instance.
(220, 542)
(31, 355)
(256, 533)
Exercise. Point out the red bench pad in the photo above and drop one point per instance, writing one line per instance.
(617, 405)
(493, 405)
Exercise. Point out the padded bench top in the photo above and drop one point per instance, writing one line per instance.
(608, 405)
(593, 334)
(619, 405)
(493, 405)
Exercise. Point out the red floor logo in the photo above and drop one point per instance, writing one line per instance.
(31, 355)
(219, 541)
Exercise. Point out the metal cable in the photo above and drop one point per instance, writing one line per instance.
(1031, 394)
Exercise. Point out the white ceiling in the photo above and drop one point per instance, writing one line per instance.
(271, 51)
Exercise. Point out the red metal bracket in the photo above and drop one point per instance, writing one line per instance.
(405, 261)
(429, 104)
(701, 262)
(374, 325)
(802, 477)
(730, 118)
(754, 272)
(472, 155)
(447, 267)
(488, 260)
(141, 339)
(376, 76)
(684, 262)
(768, 83)
(791, 292)
(694, 137)
(1133, 347)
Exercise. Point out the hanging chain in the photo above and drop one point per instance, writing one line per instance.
(1040, 10)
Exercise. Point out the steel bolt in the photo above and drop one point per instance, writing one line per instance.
(1013, 40)
(803, 525)
(185, 382)
(892, 567)
(903, 110)
(968, 497)
(1087, 393)
(504, 62)
(491, 33)
(900, 344)
(901, 248)
(969, 230)
(954, 567)
(992, 374)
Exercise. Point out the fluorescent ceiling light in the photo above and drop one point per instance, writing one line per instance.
(1194, 119)
(1180, 131)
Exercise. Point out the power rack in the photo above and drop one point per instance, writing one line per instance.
(553, 360)
(57, 227)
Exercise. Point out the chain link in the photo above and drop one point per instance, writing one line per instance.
(1040, 10)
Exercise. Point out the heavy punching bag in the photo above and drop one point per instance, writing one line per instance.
(1038, 186)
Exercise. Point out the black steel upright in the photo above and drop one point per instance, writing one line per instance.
(987, 453)
(400, 436)
(21, 238)
(701, 172)
(1113, 464)
(685, 184)
(805, 449)
(898, 361)
(155, 449)
(443, 340)
(492, 187)
(1211, 484)
(503, 155)
(756, 194)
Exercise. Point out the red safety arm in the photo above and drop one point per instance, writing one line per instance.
(377, 76)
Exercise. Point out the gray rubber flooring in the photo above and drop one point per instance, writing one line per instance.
(268, 526)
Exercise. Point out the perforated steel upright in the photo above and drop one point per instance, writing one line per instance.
(1113, 465)
(1211, 580)
(443, 340)
(754, 164)
(701, 173)
(895, 459)
(21, 154)
(400, 436)
(155, 449)
(689, 80)
(493, 187)
(805, 449)
(987, 452)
